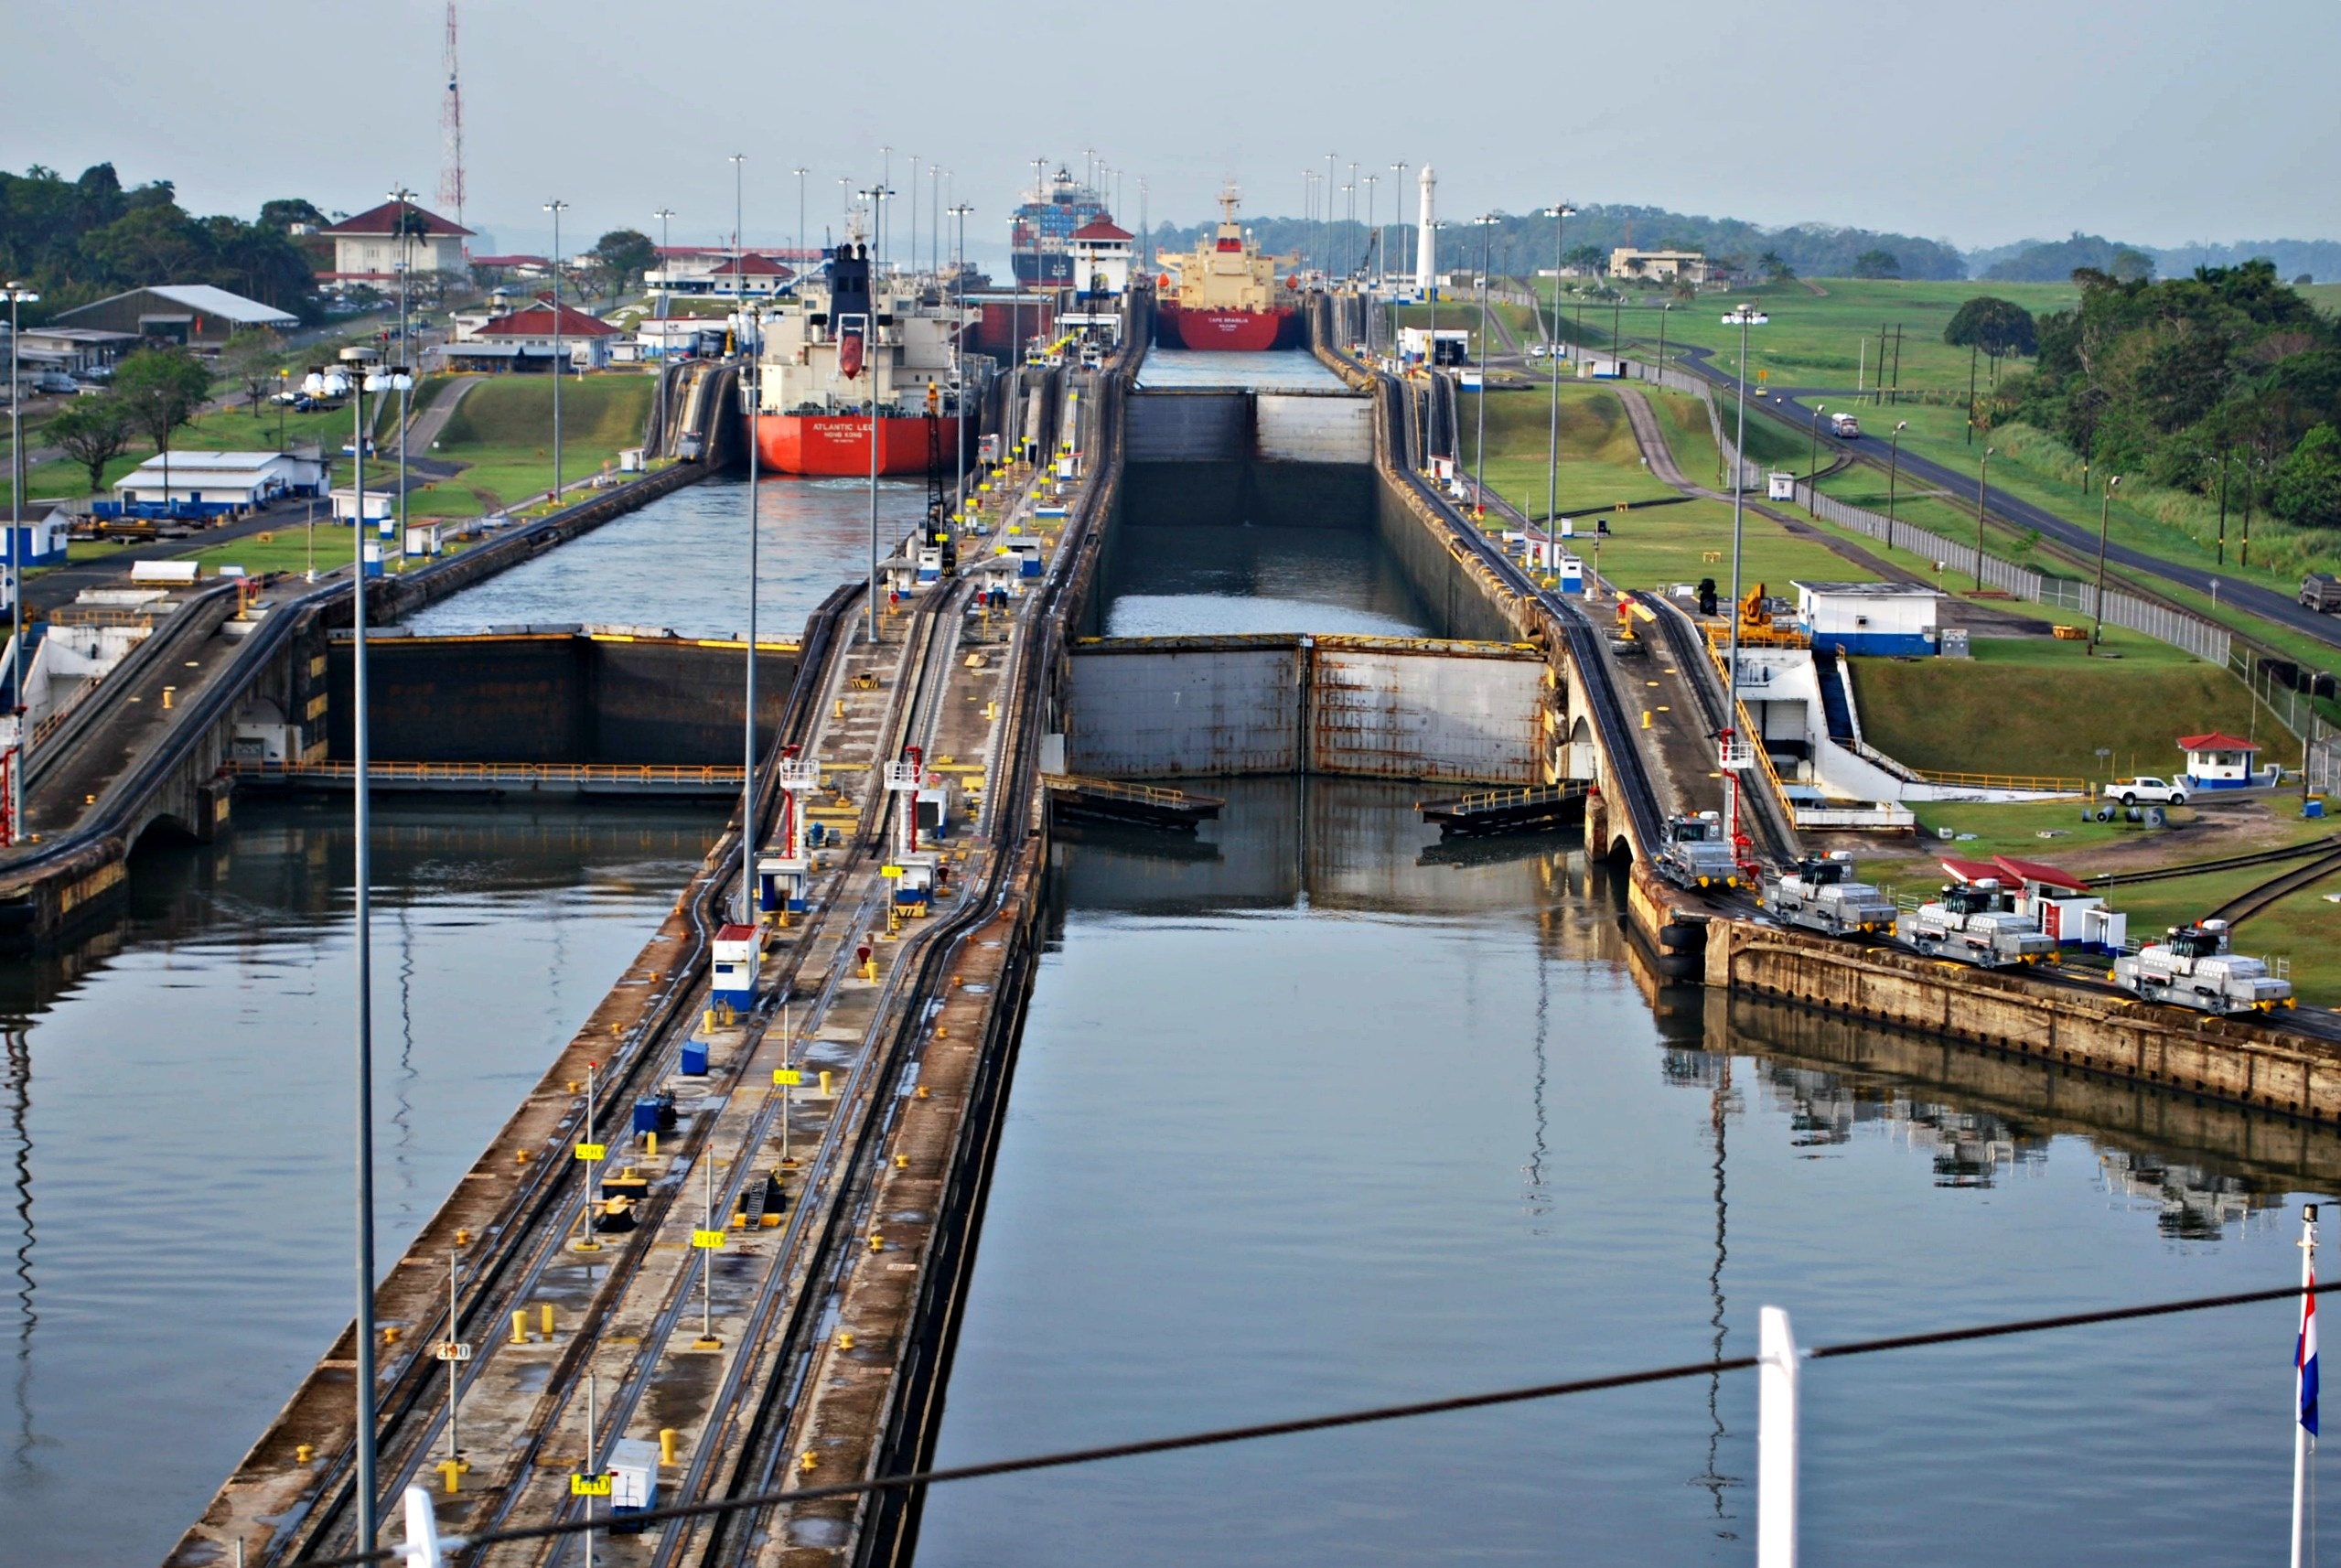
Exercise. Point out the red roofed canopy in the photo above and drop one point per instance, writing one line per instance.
(1102, 228)
(536, 321)
(754, 266)
(383, 220)
(2215, 741)
(1971, 870)
(2038, 871)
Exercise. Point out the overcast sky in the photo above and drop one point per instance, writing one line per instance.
(1983, 123)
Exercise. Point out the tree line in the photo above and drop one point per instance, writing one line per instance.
(2228, 377)
(81, 240)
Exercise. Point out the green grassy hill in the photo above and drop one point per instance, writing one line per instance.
(2050, 710)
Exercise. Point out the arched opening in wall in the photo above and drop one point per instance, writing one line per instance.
(163, 832)
(1578, 759)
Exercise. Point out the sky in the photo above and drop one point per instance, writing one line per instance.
(1994, 121)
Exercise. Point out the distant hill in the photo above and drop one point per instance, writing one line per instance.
(1519, 244)
(2053, 260)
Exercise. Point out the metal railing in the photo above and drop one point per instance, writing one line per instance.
(710, 775)
(1499, 800)
(1117, 789)
(2040, 783)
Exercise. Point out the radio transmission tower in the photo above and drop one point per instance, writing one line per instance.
(451, 132)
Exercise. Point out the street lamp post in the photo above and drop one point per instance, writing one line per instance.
(1560, 213)
(1664, 310)
(1742, 318)
(1982, 484)
(1893, 473)
(2104, 520)
(556, 207)
(1812, 448)
(405, 199)
(1396, 210)
(1374, 279)
(666, 344)
(364, 379)
(19, 295)
(958, 364)
(800, 171)
(1486, 223)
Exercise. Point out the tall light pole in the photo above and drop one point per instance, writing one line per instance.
(1742, 318)
(556, 207)
(1328, 218)
(1486, 223)
(363, 379)
(1893, 476)
(666, 345)
(914, 212)
(1560, 213)
(958, 364)
(1812, 446)
(2104, 520)
(1374, 279)
(1398, 195)
(1982, 484)
(800, 171)
(752, 395)
(405, 199)
(18, 294)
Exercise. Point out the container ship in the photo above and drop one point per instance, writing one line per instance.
(1045, 224)
(1225, 296)
(846, 344)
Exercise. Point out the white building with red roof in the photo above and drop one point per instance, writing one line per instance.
(699, 271)
(2217, 761)
(369, 247)
(525, 341)
(1100, 250)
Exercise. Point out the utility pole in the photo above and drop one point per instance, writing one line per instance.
(1982, 484)
(1559, 212)
(556, 207)
(2104, 520)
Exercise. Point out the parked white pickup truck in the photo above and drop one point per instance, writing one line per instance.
(2154, 791)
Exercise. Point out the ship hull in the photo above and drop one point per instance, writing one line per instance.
(1229, 330)
(839, 444)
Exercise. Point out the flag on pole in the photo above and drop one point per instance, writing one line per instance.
(2305, 1356)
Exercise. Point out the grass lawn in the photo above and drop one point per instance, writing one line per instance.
(1600, 465)
(281, 550)
(502, 433)
(2025, 708)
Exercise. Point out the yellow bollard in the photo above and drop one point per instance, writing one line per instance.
(520, 1325)
(845, 1342)
(922, 1091)
(902, 1161)
(463, 1238)
(303, 1454)
(519, 1156)
(651, 1145)
(839, 711)
(824, 1085)
(808, 1461)
(878, 1242)
(708, 1018)
(544, 1318)
(942, 1031)
(390, 1334)
(667, 1436)
(1646, 718)
(451, 1469)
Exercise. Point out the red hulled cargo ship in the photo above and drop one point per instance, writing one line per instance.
(847, 344)
(1225, 296)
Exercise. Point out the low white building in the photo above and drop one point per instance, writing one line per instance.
(381, 505)
(219, 481)
(525, 341)
(1890, 619)
(1100, 258)
(370, 247)
(1667, 266)
(1414, 344)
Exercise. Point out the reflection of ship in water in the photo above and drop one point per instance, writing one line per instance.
(1979, 1118)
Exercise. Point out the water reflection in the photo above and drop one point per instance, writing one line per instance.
(1199, 579)
(1263, 1156)
(191, 1119)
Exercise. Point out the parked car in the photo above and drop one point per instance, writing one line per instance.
(2129, 792)
(56, 381)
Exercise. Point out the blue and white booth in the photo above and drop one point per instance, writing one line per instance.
(739, 953)
(781, 882)
(2217, 761)
(1885, 618)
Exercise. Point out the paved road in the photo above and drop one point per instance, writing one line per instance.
(2265, 603)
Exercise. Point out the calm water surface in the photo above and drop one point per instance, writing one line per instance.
(1218, 579)
(177, 1119)
(1313, 1114)
(682, 561)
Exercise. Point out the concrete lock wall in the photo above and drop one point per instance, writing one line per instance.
(1188, 428)
(1367, 707)
(1297, 429)
(556, 697)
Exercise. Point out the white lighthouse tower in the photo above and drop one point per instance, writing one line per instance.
(1426, 255)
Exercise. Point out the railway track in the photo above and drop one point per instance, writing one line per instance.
(2204, 867)
(2245, 904)
(411, 1411)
